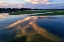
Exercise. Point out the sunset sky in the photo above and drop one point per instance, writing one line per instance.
(44, 4)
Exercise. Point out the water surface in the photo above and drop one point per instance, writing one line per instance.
(25, 28)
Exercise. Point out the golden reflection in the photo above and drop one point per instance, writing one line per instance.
(20, 21)
(3, 16)
(0, 15)
(43, 32)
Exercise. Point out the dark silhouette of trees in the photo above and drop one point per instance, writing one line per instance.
(9, 10)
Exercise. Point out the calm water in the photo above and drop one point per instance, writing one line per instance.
(24, 28)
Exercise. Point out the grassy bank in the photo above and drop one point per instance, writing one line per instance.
(55, 12)
(26, 12)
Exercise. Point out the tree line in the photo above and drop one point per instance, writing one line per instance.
(9, 10)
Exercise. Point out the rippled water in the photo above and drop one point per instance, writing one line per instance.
(24, 28)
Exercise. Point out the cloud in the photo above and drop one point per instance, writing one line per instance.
(45, 6)
(1, 1)
(20, 5)
(8, 5)
(41, 4)
(38, 1)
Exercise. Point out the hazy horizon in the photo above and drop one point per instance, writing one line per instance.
(40, 4)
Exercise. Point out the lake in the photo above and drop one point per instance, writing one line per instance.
(25, 28)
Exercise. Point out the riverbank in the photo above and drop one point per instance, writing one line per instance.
(46, 12)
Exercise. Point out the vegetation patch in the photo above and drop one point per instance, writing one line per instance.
(47, 12)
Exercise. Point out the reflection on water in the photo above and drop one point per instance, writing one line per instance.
(49, 12)
(32, 29)
(3, 16)
(19, 22)
(36, 30)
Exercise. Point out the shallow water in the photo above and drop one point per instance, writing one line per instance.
(24, 28)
